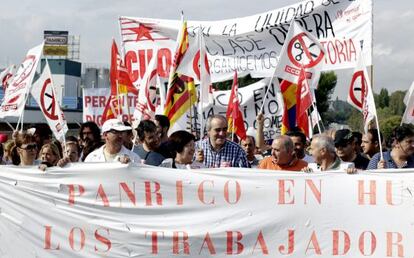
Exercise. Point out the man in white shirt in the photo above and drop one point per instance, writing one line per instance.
(113, 149)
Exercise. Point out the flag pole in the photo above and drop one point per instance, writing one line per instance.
(200, 102)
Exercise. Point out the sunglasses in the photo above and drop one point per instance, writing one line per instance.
(114, 131)
(29, 147)
(341, 144)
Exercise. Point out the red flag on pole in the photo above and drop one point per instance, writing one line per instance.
(234, 115)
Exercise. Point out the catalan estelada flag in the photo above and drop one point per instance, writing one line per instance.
(234, 115)
(291, 118)
(181, 92)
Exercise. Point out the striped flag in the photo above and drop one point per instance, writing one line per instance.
(181, 91)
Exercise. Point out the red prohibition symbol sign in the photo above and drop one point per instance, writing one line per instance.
(47, 100)
(358, 83)
(303, 51)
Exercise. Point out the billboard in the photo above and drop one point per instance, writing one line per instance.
(56, 43)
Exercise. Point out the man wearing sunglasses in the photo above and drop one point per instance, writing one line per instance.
(113, 149)
(345, 149)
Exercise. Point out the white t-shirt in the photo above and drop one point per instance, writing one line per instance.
(98, 155)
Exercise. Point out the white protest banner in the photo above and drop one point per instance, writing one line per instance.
(252, 44)
(251, 99)
(44, 92)
(301, 52)
(113, 210)
(6, 75)
(94, 102)
(408, 116)
(15, 95)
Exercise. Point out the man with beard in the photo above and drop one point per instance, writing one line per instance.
(150, 143)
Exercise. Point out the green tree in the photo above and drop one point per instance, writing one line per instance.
(383, 99)
(327, 83)
(355, 121)
(396, 102)
(388, 124)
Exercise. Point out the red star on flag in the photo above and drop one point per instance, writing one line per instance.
(142, 31)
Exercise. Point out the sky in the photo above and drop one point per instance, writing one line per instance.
(96, 21)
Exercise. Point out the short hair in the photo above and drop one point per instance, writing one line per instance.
(145, 126)
(71, 138)
(250, 136)
(210, 119)
(163, 121)
(401, 132)
(297, 133)
(94, 128)
(287, 142)
(324, 141)
(179, 139)
(374, 134)
(357, 137)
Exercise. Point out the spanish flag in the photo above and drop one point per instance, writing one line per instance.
(234, 115)
(181, 92)
(292, 119)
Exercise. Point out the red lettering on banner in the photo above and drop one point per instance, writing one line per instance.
(148, 193)
(373, 244)
(73, 193)
(210, 246)
(184, 242)
(397, 243)
(372, 192)
(87, 100)
(226, 193)
(72, 239)
(316, 191)
(48, 239)
(201, 195)
(285, 192)
(315, 244)
(339, 51)
(291, 244)
(103, 240)
(262, 243)
(336, 243)
(389, 194)
(230, 242)
(129, 193)
(141, 59)
(101, 193)
(179, 192)
(154, 240)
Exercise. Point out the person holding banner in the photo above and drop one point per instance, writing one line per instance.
(90, 138)
(401, 154)
(345, 149)
(24, 152)
(49, 156)
(283, 156)
(113, 149)
(370, 143)
(150, 143)
(216, 150)
(183, 149)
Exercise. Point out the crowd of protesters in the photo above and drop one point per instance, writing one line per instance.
(149, 143)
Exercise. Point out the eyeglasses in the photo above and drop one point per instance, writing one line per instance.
(29, 147)
(114, 131)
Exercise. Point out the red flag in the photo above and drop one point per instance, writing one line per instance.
(234, 115)
(119, 76)
(303, 94)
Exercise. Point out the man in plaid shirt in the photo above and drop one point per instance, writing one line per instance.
(216, 151)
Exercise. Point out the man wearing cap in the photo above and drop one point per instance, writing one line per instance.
(113, 149)
(345, 149)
